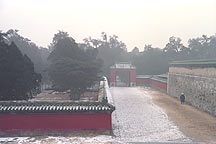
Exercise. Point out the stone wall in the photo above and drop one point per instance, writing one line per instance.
(199, 87)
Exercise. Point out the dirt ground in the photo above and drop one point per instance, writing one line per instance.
(63, 96)
(194, 123)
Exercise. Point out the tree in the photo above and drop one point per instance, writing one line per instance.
(148, 48)
(37, 55)
(73, 68)
(18, 81)
(173, 45)
(110, 50)
(203, 47)
(151, 61)
(135, 50)
(57, 37)
(175, 50)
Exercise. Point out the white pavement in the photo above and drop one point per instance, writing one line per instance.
(138, 119)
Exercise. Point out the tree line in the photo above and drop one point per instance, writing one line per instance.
(73, 66)
(154, 61)
(151, 61)
(68, 66)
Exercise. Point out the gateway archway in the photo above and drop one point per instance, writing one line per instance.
(122, 74)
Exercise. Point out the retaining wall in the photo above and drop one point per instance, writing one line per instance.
(199, 91)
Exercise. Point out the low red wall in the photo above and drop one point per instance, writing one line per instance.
(55, 121)
(143, 81)
(159, 85)
(151, 82)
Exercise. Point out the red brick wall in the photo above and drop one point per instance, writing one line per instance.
(143, 81)
(112, 77)
(153, 83)
(159, 85)
(55, 121)
(113, 74)
(133, 76)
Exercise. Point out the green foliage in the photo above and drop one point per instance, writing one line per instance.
(57, 37)
(152, 61)
(156, 61)
(104, 100)
(73, 68)
(37, 55)
(203, 47)
(69, 59)
(18, 81)
(175, 50)
(110, 50)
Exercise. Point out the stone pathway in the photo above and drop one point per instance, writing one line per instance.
(195, 123)
(138, 119)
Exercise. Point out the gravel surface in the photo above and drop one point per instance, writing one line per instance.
(194, 123)
(138, 119)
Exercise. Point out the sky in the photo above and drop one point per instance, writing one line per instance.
(135, 22)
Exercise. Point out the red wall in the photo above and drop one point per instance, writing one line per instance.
(112, 77)
(132, 74)
(159, 85)
(143, 81)
(153, 83)
(55, 121)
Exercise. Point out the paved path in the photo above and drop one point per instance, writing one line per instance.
(137, 119)
(195, 123)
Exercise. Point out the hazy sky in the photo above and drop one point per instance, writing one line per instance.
(136, 22)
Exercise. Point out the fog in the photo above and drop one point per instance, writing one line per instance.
(136, 22)
(150, 62)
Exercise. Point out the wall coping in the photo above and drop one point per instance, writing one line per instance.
(194, 63)
(54, 107)
(123, 65)
(143, 76)
(190, 75)
(159, 78)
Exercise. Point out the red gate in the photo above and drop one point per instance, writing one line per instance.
(122, 67)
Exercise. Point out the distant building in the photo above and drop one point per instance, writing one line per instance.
(123, 67)
(126, 71)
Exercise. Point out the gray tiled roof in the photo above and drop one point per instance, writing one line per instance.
(194, 63)
(123, 65)
(54, 107)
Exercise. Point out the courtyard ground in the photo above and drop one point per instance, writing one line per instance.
(142, 115)
(194, 123)
(50, 95)
(138, 119)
